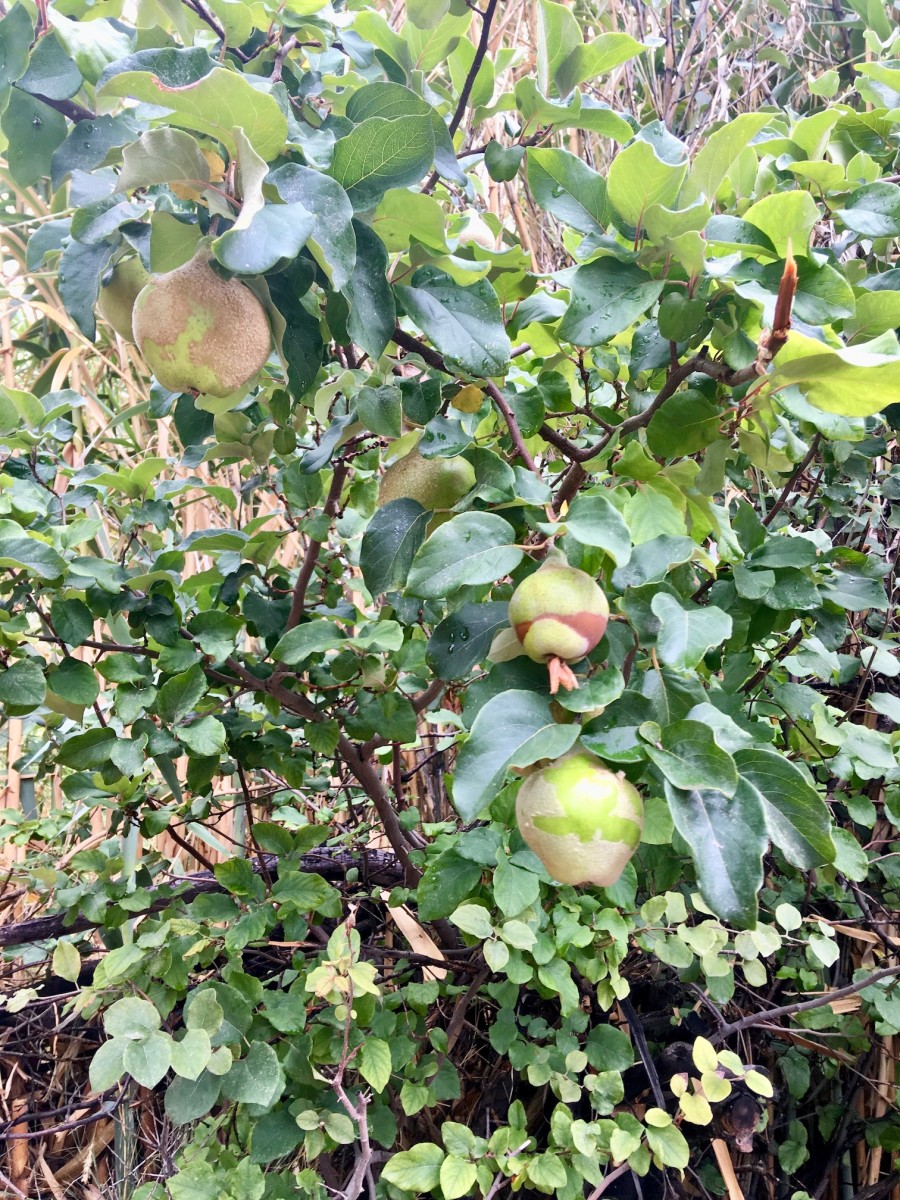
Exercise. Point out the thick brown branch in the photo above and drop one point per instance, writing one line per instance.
(376, 865)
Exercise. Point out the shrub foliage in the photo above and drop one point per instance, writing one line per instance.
(640, 313)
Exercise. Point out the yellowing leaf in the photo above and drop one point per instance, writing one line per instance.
(855, 382)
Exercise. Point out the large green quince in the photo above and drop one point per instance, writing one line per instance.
(200, 332)
(583, 820)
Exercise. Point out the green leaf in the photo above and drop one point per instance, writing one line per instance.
(375, 1063)
(547, 1171)
(80, 271)
(205, 737)
(92, 44)
(390, 543)
(686, 423)
(51, 72)
(333, 229)
(670, 1146)
(148, 1059)
(515, 728)
(463, 639)
(131, 1017)
(373, 313)
(425, 14)
(380, 410)
(255, 1079)
(393, 100)
(797, 819)
(22, 686)
(380, 154)
(205, 1012)
(592, 59)
(66, 961)
(163, 156)
(457, 1177)
(687, 634)
(107, 1066)
(415, 1170)
(609, 1049)
(191, 1054)
(74, 681)
(727, 838)
(568, 189)
(607, 297)
(785, 217)
(19, 550)
(873, 211)
(304, 891)
(84, 751)
(16, 33)
(187, 1100)
(304, 641)
(502, 162)
(472, 548)
(179, 695)
(464, 323)
(858, 381)
(275, 1135)
(339, 1127)
(446, 882)
(719, 152)
(88, 144)
(649, 171)
(689, 757)
(215, 104)
(515, 888)
(594, 520)
(72, 620)
(473, 919)
(33, 131)
(277, 231)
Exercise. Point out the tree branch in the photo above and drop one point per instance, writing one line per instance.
(69, 108)
(480, 51)
(314, 549)
(512, 425)
(789, 1010)
(415, 346)
(793, 481)
(330, 864)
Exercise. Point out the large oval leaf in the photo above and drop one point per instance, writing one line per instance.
(512, 729)
(727, 838)
(472, 548)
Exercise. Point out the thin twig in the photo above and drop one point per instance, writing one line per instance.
(512, 425)
(314, 549)
(480, 51)
(789, 1010)
(607, 1180)
(793, 481)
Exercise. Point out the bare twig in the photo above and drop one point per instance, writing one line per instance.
(480, 51)
(789, 1010)
(512, 425)
(314, 549)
